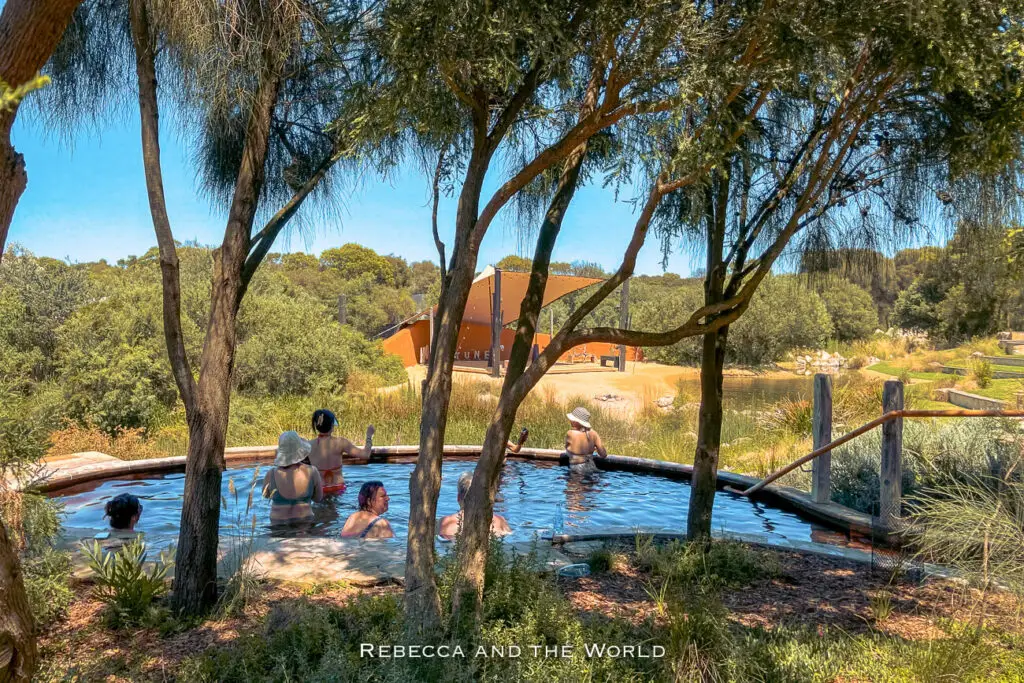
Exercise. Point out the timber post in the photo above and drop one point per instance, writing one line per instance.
(623, 322)
(891, 475)
(496, 326)
(821, 467)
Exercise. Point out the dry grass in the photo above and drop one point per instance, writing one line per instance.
(126, 444)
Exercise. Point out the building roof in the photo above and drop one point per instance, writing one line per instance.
(513, 291)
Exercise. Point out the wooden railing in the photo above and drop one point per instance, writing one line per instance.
(892, 443)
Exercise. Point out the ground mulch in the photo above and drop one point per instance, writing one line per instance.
(96, 652)
(810, 591)
(813, 592)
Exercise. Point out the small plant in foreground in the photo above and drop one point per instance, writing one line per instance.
(122, 582)
(881, 606)
(605, 559)
(243, 584)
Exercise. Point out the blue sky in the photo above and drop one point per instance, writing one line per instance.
(87, 201)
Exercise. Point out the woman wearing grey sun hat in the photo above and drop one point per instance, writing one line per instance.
(291, 484)
(581, 441)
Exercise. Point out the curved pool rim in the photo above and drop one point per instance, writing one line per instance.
(832, 515)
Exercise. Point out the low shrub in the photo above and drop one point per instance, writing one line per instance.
(47, 575)
(124, 584)
(720, 564)
(981, 373)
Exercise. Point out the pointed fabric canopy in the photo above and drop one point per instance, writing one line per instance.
(513, 291)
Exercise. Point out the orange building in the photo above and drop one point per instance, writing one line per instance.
(412, 340)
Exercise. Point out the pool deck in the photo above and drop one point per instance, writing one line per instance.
(314, 560)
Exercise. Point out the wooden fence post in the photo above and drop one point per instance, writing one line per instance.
(891, 475)
(821, 467)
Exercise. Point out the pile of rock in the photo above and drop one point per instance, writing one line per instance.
(821, 361)
(608, 398)
(915, 339)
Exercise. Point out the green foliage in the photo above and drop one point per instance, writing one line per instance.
(937, 454)
(981, 372)
(47, 574)
(719, 564)
(970, 287)
(353, 261)
(849, 307)
(124, 584)
(290, 343)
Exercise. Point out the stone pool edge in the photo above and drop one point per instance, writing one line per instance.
(64, 473)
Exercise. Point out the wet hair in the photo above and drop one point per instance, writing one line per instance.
(121, 509)
(324, 421)
(367, 492)
(465, 479)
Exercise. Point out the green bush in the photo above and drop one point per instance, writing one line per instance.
(936, 455)
(47, 574)
(981, 372)
(850, 308)
(124, 584)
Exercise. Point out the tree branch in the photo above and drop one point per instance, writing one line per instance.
(145, 70)
(264, 240)
(433, 214)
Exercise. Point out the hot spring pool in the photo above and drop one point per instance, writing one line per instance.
(535, 497)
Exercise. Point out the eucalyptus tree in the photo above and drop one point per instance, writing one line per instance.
(905, 116)
(468, 79)
(265, 79)
(843, 126)
(29, 32)
(255, 85)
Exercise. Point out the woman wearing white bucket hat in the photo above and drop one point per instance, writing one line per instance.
(291, 484)
(581, 441)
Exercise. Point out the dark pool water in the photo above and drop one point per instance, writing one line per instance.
(534, 497)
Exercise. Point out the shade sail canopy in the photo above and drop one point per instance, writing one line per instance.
(513, 291)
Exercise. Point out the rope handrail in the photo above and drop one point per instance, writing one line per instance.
(877, 422)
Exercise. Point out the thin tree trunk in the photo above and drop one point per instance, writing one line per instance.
(195, 579)
(422, 603)
(474, 538)
(29, 33)
(709, 436)
(18, 655)
(709, 430)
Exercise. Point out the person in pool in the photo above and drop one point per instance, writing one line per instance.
(123, 511)
(328, 450)
(292, 485)
(367, 522)
(451, 525)
(581, 441)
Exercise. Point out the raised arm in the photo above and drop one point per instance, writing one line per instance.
(367, 448)
(518, 445)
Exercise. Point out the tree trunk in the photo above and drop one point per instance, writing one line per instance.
(195, 578)
(709, 436)
(18, 655)
(475, 535)
(709, 430)
(29, 33)
(422, 603)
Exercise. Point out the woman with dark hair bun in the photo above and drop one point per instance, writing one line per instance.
(328, 450)
(124, 512)
(366, 522)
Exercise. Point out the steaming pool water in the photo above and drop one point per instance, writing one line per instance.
(535, 497)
